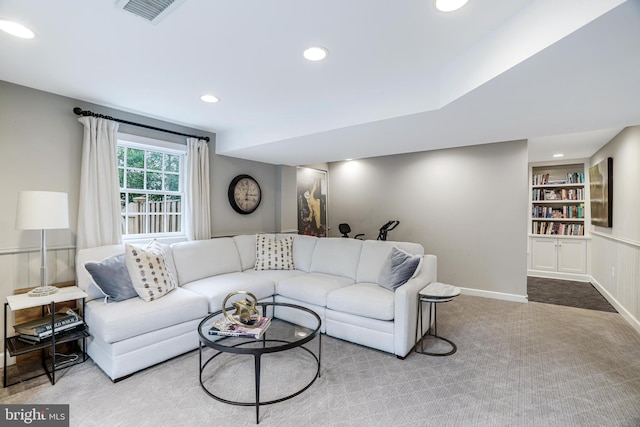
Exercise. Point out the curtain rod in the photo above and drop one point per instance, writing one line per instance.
(80, 112)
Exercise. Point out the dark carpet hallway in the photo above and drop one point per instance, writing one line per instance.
(567, 292)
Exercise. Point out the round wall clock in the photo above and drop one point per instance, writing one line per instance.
(244, 194)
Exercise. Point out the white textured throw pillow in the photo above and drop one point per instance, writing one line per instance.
(155, 247)
(398, 268)
(274, 254)
(148, 273)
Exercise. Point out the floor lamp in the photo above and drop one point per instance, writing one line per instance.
(42, 210)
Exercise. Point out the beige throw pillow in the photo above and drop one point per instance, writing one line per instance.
(274, 254)
(148, 273)
(155, 247)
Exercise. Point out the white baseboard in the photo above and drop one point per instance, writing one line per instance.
(495, 295)
(635, 323)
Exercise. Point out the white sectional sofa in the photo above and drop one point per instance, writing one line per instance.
(335, 277)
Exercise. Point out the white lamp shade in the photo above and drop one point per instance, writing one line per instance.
(42, 210)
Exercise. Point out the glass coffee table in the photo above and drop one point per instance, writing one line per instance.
(225, 374)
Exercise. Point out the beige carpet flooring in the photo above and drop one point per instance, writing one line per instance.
(517, 365)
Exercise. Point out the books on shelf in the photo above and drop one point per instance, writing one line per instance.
(569, 178)
(564, 211)
(557, 228)
(43, 327)
(225, 328)
(70, 328)
(540, 179)
(576, 194)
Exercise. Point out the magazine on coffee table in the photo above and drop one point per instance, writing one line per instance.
(225, 328)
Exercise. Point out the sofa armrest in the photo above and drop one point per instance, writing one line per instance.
(406, 306)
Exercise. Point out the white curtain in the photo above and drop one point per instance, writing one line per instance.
(99, 221)
(197, 210)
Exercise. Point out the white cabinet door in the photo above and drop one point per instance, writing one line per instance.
(544, 256)
(572, 256)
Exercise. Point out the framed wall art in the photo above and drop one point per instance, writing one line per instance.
(601, 193)
(312, 202)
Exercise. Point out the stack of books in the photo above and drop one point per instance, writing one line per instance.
(225, 328)
(42, 329)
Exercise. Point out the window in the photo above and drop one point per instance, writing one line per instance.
(151, 177)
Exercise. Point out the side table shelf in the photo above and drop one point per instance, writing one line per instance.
(14, 346)
(17, 347)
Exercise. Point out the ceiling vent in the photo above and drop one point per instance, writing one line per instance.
(150, 10)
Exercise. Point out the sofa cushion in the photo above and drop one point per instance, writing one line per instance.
(311, 288)
(303, 247)
(148, 273)
(375, 252)
(398, 268)
(272, 254)
(112, 278)
(145, 342)
(275, 275)
(216, 288)
(198, 259)
(133, 317)
(363, 299)
(336, 256)
(246, 244)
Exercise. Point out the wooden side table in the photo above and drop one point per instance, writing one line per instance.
(14, 347)
(434, 293)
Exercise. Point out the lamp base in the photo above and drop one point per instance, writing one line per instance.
(42, 291)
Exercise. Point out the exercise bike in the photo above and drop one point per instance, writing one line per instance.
(345, 230)
(385, 229)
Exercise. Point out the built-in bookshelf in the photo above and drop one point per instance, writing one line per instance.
(558, 217)
(558, 200)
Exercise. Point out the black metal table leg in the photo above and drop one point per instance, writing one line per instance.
(319, 352)
(4, 383)
(257, 373)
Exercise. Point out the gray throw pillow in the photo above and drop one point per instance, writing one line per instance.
(112, 277)
(397, 269)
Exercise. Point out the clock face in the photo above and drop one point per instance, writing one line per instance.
(244, 194)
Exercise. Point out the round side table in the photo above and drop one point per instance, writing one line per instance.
(434, 293)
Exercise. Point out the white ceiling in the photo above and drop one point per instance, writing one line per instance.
(400, 76)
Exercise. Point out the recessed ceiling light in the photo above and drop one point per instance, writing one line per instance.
(209, 98)
(558, 155)
(316, 53)
(450, 5)
(16, 29)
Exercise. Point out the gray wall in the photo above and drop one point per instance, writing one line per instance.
(615, 251)
(40, 149)
(466, 205)
(625, 151)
